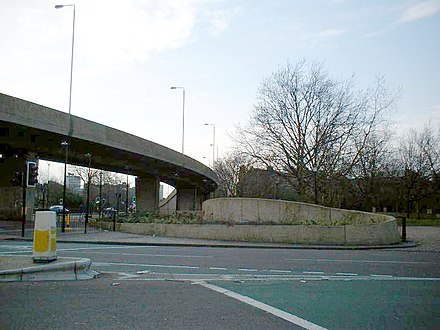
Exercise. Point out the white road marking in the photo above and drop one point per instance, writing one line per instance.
(78, 248)
(153, 276)
(363, 261)
(279, 271)
(152, 255)
(218, 268)
(313, 272)
(248, 270)
(267, 308)
(16, 252)
(347, 274)
(380, 275)
(127, 275)
(15, 247)
(107, 248)
(142, 265)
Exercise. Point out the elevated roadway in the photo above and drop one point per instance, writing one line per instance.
(32, 131)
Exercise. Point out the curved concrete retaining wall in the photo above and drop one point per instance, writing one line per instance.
(262, 220)
(373, 234)
(270, 211)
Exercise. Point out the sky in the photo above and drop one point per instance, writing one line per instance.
(128, 53)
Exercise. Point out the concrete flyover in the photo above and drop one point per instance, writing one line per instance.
(31, 131)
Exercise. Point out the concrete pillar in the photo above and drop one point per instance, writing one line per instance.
(189, 199)
(147, 193)
(11, 197)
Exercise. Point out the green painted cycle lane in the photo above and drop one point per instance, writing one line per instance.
(372, 304)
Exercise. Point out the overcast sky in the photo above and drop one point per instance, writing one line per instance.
(128, 53)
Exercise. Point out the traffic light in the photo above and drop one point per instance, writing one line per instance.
(17, 179)
(32, 174)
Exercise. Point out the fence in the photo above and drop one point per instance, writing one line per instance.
(75, 223)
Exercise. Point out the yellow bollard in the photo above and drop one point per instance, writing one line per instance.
(68, 221)
(45, 237)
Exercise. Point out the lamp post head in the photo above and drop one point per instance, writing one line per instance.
(62, 6)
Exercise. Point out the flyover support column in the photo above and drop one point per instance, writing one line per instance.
(147, 193)
(11, 193)
(189, 199)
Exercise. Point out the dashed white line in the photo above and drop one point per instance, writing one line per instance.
(279, 271)
(143, 265)
(347, 274)
(267, 308)
(248, 270)
(151, 255)
(362, 261)
(106, 248)
(313, 272)
(218, 268)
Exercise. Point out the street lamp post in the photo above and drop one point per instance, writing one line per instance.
(65, 145)
(183, 117)
(315, 173)
(47, 189)
(126, 198)
(100, 194)
(213, 142)
(89, 157)
(71, 58)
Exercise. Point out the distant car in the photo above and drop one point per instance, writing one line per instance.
(58, 209)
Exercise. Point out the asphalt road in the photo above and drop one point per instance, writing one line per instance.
(231, 288)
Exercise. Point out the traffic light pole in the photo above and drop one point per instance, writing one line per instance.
(23, 219)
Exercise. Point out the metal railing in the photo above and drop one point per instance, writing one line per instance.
(75, 223)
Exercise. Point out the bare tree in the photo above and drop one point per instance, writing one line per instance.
(429, 144)
(312, 126)
(419, 155)
(228, 170)
(85, 173)
(375, 165)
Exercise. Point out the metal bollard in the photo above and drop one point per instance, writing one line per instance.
(403, 227)
(114, 221)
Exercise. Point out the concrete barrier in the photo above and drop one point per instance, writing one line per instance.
(366, 235)
(269, 211)
(274, 221)
(329, 225)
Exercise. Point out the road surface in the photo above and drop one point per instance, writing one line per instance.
(235, 288)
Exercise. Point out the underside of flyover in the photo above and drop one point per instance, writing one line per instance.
(29, 131)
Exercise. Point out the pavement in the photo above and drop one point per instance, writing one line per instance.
(22, 268)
